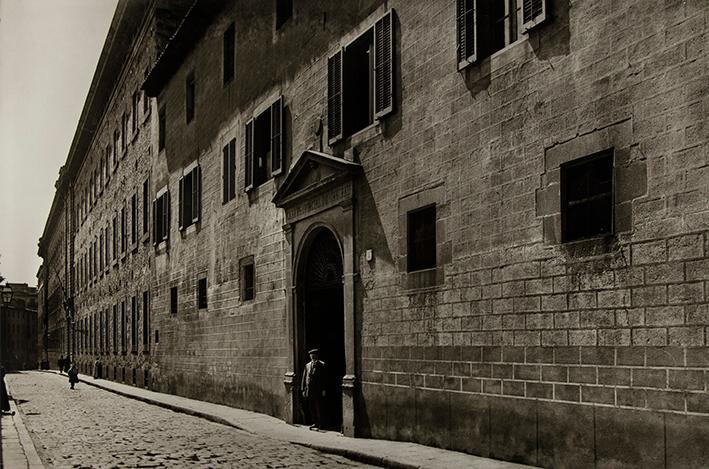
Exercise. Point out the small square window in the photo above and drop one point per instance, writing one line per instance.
(202, 293)
(587, 197)
(173, 300)
(421, 230)
(247, 279)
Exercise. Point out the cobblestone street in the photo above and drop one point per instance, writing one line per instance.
(89, 427)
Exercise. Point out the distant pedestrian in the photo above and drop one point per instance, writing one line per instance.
(73, 375)
(97, 368)
(4, 398)
(60, 362)
(312, 386)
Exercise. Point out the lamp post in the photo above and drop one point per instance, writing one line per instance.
(7, 294)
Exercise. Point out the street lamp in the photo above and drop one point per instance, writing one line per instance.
(6, 294)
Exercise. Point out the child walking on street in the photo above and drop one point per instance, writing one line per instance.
(73, 375)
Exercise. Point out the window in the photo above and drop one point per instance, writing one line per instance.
(101, 327)
(107, 254)
(587, 197)
(115, 238)
(161, 129)
(202, 293)
(161, 217)
(360, 81)
(146, 209)
(189, 97)
(228, 50)
(264, 147)
(134, 325)
(124, 347)
(107, 177)
(115, 329)
(124, 132)
(173, 300)
(247, 279)
(134, 112)
(190, 197)
(102, 174)
(134, 218)
(421, 239)
(229, 171)
(116, 142)
(124, 220)
(486, 26)
(101, 251)
(146, 98)
(284, 11)
(146, 322)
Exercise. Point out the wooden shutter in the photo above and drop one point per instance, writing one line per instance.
(155, 222)
(334, 97)
(180, 204)
(534, 12)
(383, 70)
(226, 167)
(196, 193)
(466, 21)
(277, 136)
(249, 155)
(232, 168)
(166, 215)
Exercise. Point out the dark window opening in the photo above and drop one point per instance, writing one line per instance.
(189, 97)
(161, 129)
(161, 218)
(115, 329)
(146, 206)
(173, 300)
(229, 171)
(485, 27)
(123, 228)
(490, 27)
(146, 322)
(247, 281)
(202, 293)
(228, 50)
(134, 324)
(134, 112)
(284, 11)
(421, 239)
(124, 347)
(134, 218)
(262, 147)
(358, 78)
(124, 132)
(157, 336)
(190, 198)
(587, 197)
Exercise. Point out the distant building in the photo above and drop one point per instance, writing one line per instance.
(18, 329)
(491, 217)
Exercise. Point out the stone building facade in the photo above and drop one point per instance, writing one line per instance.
(18, 329)
(491, 218)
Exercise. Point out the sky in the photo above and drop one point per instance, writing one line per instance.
(48, 52)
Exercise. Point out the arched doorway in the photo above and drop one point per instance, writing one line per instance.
(321, 316)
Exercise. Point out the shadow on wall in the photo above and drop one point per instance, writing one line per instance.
(552, 40)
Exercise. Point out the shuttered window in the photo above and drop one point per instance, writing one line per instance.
(465, 12)
(190, 198)
(383, 71)
(361, 90)
(264, 149)
(161, 218)
(229, 171)
(248, 154)
(334, 97)
(534, 12)
(277, 137)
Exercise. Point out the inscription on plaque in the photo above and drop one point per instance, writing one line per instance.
(319, 202)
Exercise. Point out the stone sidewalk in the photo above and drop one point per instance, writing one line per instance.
(392, 454)
(17, 449)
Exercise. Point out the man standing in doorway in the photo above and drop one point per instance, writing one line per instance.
(312, 386)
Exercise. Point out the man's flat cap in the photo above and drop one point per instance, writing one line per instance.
(313, 351)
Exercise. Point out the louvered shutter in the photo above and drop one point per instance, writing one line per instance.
(196, 193)
(248, 155)
(334, 97)
(155, 222)
(534, 12)
(180, 204)
(277, 136)
(383, 70)
(225, 174)
(466, 21)
(166, 215)
(232, 169)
